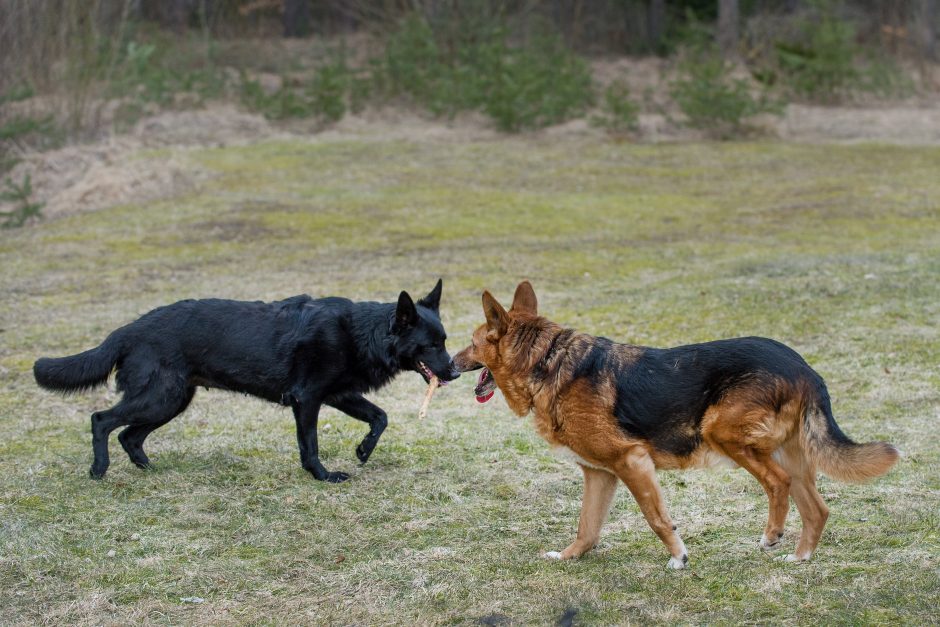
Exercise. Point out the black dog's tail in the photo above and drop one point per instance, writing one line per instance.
(80, 372)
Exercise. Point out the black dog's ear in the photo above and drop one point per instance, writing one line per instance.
(405, 314)
(433, 300)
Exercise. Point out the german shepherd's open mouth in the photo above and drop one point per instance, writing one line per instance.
(486, 386)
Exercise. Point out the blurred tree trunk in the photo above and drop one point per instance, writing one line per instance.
(728, 27)
(655, 25)
(928, 16)
(296, 18)
(169, 13)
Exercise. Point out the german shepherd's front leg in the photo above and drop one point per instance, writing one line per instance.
(599, 489)
(638, 471)
(306, 414)
(359, 408)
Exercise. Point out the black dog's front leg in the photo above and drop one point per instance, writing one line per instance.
(359, 408)
(305, 415)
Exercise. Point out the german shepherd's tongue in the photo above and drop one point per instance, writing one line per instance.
(486, 386)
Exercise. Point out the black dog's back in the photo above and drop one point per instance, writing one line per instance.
(196, 339)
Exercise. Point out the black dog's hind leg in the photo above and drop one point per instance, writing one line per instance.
(132, 438)
(359, 408)
(102, 424)
(151, 398)
(306, 414)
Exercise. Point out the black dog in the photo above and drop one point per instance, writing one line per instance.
(301, 352)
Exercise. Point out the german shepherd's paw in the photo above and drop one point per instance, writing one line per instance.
(552, 555)
(767, 544)
(793, 558)
(678, 563)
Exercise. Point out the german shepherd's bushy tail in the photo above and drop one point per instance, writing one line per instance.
(835, 454)
(80, 372)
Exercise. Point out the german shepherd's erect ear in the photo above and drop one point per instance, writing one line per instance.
(524, 301)
(433, 300)
(497, 320)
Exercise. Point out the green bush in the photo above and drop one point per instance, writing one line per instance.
(21, 131)
(21, 195)
(412, 64)
(156, 72)
(712, 99)
(826, 64)
(529, 86)
(17, 93)
(284, 103)
(332, 90)
(329, 90)
(536, 85)
(619, 113)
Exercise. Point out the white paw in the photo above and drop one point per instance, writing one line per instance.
(552, 555)
(767, 543)
(678, 563)
(792, 557)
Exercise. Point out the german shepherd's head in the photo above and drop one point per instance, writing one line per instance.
(502, 347)
(418, 337)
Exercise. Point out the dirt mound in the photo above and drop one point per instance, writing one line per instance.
(216, 126)
(915, 125)
(118, 170)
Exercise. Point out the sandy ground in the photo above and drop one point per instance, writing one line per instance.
(152, 160)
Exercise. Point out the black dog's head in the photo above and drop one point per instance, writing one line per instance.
(419, 337)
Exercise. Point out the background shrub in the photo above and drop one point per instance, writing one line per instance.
(535, 83)
(619, 114)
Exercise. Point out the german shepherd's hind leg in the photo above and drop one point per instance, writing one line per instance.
(132, 438)
(599, 489)
(359, 408)
(306, 414)
(812, 508)
(638, 472)
(776, 483)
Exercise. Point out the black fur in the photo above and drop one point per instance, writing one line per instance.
(301, 352)
(662, 395)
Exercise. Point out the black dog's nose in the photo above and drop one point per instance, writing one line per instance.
(454, 372)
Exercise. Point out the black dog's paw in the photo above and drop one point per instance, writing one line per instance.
(363, 451)
(335, 477)
(143, 465)
(96, 473)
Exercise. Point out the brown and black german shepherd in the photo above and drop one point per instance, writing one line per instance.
(623, 411)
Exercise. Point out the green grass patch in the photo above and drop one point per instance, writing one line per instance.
(831, 249)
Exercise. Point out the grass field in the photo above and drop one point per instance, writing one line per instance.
(834, 250)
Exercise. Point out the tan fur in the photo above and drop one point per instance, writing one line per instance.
(854, 464)
(759, 428)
